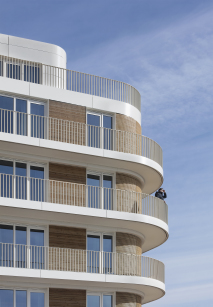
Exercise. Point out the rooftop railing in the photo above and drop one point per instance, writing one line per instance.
(68, 80)
(73, 194)
(79, 133)
(85, 261)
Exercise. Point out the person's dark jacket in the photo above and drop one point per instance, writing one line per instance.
(160, 195)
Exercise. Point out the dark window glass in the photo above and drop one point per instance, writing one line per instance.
(93, 301)
(37, 192)
(21, 298)
(7, 184)
(37, 120)
(93, 131)
(21, 180)
(21, 108)
(93, 186)
(20, 249)
(6, 114)
(6, 298)
(93, 254)
(107, 132)
(1, 68)
(107, 256)
(36, 299)
(107, 300)
(6, 246)
(37, 258)
(13, 71)
(108, 192)
(31, 74)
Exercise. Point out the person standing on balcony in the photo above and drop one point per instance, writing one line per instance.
(161, 193)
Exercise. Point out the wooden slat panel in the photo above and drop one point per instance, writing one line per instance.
(126, 123)
(124, 299)
(67, 111)
(67, 237)
(67, 298)
(128, 243)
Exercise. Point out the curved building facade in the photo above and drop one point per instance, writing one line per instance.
(76, 178)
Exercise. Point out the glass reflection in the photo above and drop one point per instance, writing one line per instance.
(21, 250)
(37, 258)
(93, 183)
(93, 301)
(93, 254)
(93, 130)
(107, 256)
(6, 245)
(37, 120)
(6, 114)
(21, 298)
(6, 298)
(108, 192)
(21, 108)
(36, 183)
(36, 299)
(108, 133)
(6, 172)
(21, 180)
(107, 300)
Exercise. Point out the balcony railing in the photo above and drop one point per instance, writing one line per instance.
(73, 260)
(79, 133)
(73, 194)
(68, 80)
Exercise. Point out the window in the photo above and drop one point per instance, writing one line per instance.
(99, 300)
(21, 298)
(14, 117)
(13, 71)
(22, 246)
(32, 74)
(99, 253)
(100, 192)
(99, 131)
(22, 180)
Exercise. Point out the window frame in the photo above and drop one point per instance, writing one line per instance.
(101, 115)
(29, 101)
(102, 174)
(101, 294)
(28, 290)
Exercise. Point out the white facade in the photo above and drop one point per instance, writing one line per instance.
(34, 83)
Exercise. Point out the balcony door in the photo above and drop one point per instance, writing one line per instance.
(99, 253)
(99, 131)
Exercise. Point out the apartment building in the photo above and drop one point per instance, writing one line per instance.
(76, 178)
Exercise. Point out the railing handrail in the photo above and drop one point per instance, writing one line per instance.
(87, 261)
(139, 139)
(141, 203)
(120, 91)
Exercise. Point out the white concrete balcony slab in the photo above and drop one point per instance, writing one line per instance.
(87, 268)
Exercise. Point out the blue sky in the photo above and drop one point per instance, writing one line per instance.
(163, 48)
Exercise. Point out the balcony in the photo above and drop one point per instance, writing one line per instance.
(84, 196)
(53, 129)
(80, 261)
(68, 80)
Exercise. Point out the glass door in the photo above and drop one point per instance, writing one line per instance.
(107, 132)
(6, 246)
(107, 254)
(37, 120)
(20, 248)
(107, 192)
(93, 186)
(93, 130)
(6, 114)
(37, 253)
(37, 192)
(93, 254)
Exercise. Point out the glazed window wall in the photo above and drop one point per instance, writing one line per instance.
(99, 253)
(21, 298)
(99, 133)
(100, 193)
(22, 180)
(22, 246)
(99, 300)
(22, 117)
(21, 71)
